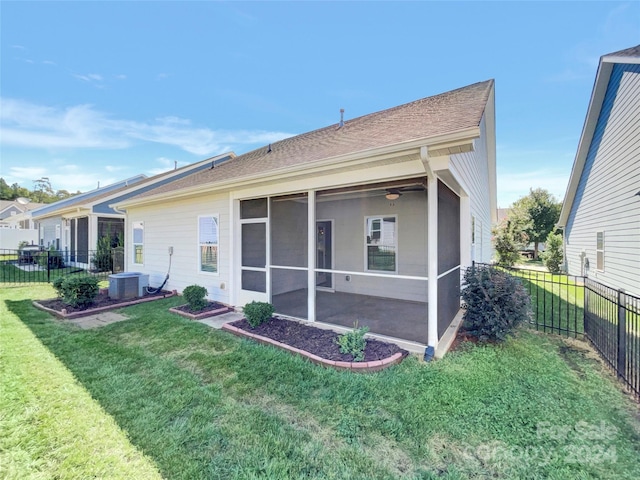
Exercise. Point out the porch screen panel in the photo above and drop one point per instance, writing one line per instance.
(448, 257)
(83, 240)
(254, 281)
(254, 241)
(73, 239)
(289, 292)
(112, 228)
(289, 227)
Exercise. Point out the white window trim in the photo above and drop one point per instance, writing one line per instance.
(367, 244)
(216, 216)
(600, 250)
(133, 242)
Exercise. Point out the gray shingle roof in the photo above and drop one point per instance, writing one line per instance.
(429, 117)
(627, 52)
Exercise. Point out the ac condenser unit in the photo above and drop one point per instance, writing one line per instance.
(127, 285)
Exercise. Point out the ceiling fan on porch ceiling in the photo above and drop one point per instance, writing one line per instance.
(395, 193)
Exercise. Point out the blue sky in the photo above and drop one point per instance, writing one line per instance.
(100, 91)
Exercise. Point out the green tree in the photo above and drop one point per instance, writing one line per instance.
(552, 255)
(536, 216)
(42, 190)
(507, 242)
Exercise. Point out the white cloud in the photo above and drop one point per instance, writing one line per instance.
(62, 177)
(89, 77)
(24, 124)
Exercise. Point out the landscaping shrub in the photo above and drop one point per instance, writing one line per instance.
(51, 258)
(258, 312)
(507, 243)
(195, 297)
(353, 342)
(495, 303)
(77, 291)
(57, 286)
(552, 256)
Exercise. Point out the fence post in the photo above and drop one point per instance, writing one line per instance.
(48, 266)
(622, 335)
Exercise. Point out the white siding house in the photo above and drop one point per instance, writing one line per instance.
(601, 211)
(368, 219)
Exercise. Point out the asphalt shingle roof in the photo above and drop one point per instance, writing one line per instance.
(441, 114)
(627, 52)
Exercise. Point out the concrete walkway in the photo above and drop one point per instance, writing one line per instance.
(219, 320)
(107, 318)
(98, 320)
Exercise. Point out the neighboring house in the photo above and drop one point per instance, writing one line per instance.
(74, 225)
(367, 220)
(601, 211)
(16, 225)
(12, 214)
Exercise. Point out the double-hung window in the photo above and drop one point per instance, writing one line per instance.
(381, 244)
(600, 251)
(138, 242)
(208, 242)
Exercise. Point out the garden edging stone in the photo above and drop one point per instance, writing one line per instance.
(360, 367)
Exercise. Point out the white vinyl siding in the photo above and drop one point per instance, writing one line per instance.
(606, 200)
(472, 169)
(175, 224)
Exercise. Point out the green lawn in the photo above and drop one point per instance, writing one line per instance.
(557, 301)
(201, 403)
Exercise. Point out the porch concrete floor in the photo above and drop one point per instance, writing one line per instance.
(386, 316)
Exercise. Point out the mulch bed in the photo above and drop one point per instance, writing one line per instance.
(211, 306)
(317, 341)
(102, 300)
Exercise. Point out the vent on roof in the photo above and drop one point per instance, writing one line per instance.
(342, 117)
(269, 149)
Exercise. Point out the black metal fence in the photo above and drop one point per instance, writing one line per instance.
(35, 265)
(581, 307)
(612, 325)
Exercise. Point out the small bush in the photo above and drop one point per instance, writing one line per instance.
(77, 291)
(552, 256)
(57, 285)
(258, 312)
(194, 295)
(495, 303)
(353, 342)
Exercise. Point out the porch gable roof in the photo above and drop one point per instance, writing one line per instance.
(447, 113)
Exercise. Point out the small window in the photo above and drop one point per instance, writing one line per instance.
(208, 240)
(381, 244)
(600, 251)
(138, 242)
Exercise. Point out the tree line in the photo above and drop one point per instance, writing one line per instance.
(42, 191)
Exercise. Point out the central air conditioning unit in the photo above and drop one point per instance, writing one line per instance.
(127, 285)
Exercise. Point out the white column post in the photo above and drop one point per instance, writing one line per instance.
(311, 260)
(432, 255)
